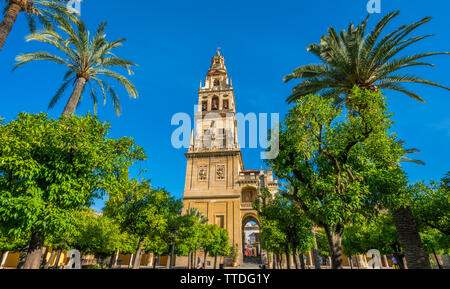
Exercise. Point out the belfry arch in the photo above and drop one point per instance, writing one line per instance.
(251, 247)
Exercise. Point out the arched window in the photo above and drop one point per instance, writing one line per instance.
(225, 104)
(216, 82)
(215, 103)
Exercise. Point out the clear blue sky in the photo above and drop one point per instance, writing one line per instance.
(262, 41)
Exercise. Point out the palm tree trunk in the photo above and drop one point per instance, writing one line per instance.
(8, 22)
(415, 254)
(34, 251)
(334, 237)
(72, 104)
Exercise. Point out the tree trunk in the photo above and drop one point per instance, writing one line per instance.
(316, 252)
(295, 260)
(302, 262)
(3, 259)
(294, 253)
(437, 260)
(72, 104)
(400, 263)
(189, 260)
(8, 22)
(57, 258)
(195, 259)
(172, 256)
(204, 260)
(334, 237)
(288, 257)
(415, 254)
(22, 257)
(44, 258)
(34, 251)
(116, 257)
(350, 262)
(154, 260)
(215, 262)
(137, 259)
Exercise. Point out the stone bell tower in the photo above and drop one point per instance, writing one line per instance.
(216, 183)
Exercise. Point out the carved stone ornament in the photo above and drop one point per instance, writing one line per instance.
(220, 172)
(203, 173)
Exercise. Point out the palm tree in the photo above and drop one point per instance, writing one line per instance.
(199, 217)
(406, 159)
(406, 227)
(87, 61)
(36, 11)
(354, 58)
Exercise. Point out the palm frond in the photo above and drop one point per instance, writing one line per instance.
(60, 92)
(368, 60)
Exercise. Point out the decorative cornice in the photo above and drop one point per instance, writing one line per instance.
(208, 197)
(206, 154)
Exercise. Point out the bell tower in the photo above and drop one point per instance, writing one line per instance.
(216, 182)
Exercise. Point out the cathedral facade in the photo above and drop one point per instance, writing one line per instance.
(217, 183)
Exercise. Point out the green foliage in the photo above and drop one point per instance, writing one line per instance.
(42, 12)
(12, 243)
(148, 215)
(272, 238)
(435, 242)
(431, 204)
(50, 169)
(235, 252)
(189, 231)
(323, 246)
(327, 157)
(354, 57)
(96, 234)
(93, 267)
(377, 233)
(214, 240)
(283, 224)
(221, 246)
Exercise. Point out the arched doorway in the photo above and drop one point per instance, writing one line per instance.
(251, 247)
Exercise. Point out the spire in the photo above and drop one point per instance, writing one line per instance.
(217, 77)
(217, 64)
